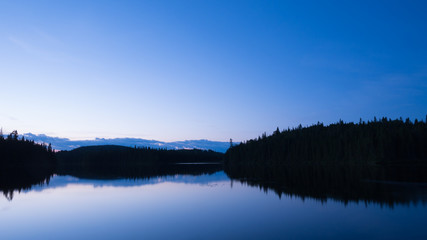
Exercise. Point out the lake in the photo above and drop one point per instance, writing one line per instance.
(203, 206)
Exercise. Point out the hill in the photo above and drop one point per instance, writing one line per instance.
(113, 154)
(375, 142)
(110, 160)
(67, 144)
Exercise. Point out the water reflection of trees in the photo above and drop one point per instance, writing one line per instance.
(368, 184)
(23, 163)
(137, 171)
(17, 180)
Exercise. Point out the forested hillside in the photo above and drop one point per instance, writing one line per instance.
(23, 163)
(117, 155)
(375, 142)
(118, 161)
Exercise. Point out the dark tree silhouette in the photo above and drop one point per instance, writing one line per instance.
(23, 163)
(378, 142)
(111, 160)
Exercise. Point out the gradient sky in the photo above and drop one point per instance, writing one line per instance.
(175, 70)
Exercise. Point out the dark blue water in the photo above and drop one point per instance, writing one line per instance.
(209, 206)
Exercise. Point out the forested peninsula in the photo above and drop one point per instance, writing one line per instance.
(383, 141)
(111, 161)
(366, 161)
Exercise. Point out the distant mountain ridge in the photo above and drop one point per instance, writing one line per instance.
(67, 144)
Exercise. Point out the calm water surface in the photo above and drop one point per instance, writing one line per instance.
(208, 206)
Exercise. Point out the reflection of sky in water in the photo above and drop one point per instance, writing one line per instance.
(61, 181)
(189, 207)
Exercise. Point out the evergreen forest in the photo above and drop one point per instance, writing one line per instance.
(384, 142)
(24, 163)
(111, 161)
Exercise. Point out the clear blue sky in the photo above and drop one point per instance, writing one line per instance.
(175, 70)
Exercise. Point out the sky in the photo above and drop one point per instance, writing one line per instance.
(177, 70)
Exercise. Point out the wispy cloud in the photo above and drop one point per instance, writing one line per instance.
(389, 93)
(46, 37)
(23, 45)
(8, 117)
(67, 144)
(39, 44)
